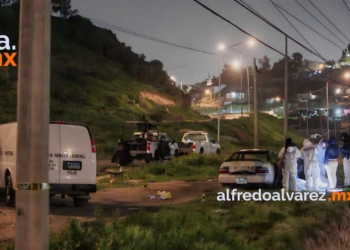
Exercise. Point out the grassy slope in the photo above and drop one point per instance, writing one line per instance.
(87, 88)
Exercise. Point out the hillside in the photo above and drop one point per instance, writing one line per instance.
(99, 81)
(92, 81)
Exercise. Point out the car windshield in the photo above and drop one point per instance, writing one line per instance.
(194, 137)
(260, 156)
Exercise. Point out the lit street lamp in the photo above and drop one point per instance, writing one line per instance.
(250, 42)
(208, 92)
(221, 49)
(346, 75)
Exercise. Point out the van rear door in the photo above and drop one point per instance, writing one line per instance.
(78, 161)
(54, 154)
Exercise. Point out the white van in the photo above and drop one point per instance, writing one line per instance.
(72, 161)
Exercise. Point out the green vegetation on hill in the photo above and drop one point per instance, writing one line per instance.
(95, 79)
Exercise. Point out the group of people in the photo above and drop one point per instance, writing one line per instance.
(318, 160)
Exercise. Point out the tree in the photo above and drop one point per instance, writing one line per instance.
(297, 62)
(265, 64)
(64, 7)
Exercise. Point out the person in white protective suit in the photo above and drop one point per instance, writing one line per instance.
(291, 154)
(311, 167)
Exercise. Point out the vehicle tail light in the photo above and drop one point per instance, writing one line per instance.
(148, 145)
(261, 170)
(93, 147)
(58, 122)
(194, 146)
(224, 170)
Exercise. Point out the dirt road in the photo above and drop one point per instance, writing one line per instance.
(121, 199)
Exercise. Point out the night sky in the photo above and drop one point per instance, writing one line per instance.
(186, 23)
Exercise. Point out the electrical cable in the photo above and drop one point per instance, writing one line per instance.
(158, 40)
(320, 22)
(346, 5)
(277, 7)
(328, 20)
(183, 66)
(242, 30)
(271, 24)
(148, 37)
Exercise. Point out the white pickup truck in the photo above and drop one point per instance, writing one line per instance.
(199, 142)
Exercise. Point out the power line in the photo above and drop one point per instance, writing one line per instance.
(277, 7)
(158, 40)
(320, 22)
(183, 66)
(328, 19)
(250, 9)
(346, 5)
(242, 30)
(148, 37)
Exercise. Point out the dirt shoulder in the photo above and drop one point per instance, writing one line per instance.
(111, 200)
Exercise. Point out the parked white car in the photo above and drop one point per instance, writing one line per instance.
(199, 142)
(251, 166)
(72, 161)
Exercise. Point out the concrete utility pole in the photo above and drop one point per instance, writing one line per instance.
(32, 195)
(255, 109)
(240, 63)
(285, 106)
(248, 90)
(219, 98)
(327, 111)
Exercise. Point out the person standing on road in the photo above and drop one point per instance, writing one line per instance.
(345, 151)
(331, 162)
(291, 153)
(321, 146)
(311, 168)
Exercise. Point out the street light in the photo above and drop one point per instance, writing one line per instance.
(346, 75)
(221, 49)
(278, 99)
(250, 42)
(208, 92)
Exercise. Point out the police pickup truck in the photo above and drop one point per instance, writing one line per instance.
(144, 142)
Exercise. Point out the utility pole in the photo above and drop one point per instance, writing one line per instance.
(248, 90)
(32, 194)
(240, 62)
(219, 98)
(285, 106)
(255, 109)
(307, 118)
(327, 111)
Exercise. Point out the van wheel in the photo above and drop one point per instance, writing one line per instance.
(10, 192)
(218, 152)
(78, 202)
(176, 153)
(201, 151)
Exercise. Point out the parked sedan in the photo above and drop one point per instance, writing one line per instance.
(251, 166)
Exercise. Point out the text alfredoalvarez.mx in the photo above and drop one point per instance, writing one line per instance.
(7, 58)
